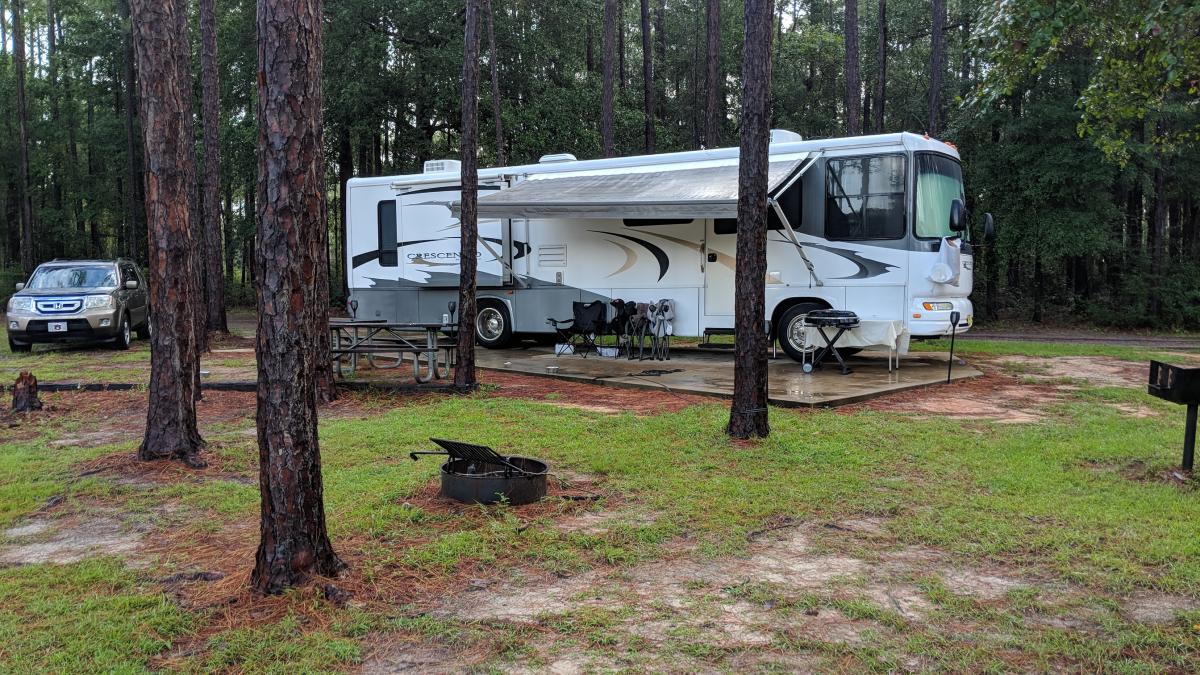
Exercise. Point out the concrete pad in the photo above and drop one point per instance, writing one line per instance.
(711, 374)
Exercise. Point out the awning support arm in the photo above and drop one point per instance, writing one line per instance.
(500, 259)
(787, 225)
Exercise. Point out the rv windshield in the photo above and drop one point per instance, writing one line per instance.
(939, 182)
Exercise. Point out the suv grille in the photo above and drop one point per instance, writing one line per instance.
(58, 305)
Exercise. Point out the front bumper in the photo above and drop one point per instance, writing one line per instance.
(936, 323)
(83, 326)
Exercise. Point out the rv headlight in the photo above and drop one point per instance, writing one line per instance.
(98, 302)
(938, 306)
(17, 304)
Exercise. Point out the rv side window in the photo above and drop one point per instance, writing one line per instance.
(388, 255)
(864, 198)
(729, 225)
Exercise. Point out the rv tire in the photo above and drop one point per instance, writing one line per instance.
(789, 323)
(493, 325)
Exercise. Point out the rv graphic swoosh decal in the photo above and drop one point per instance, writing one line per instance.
(522, 249)
(867, 268)
(630, 258)
(663, 261)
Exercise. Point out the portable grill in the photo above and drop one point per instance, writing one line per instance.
(478, 474)
(821, 319)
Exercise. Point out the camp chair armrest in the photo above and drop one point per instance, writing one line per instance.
(559, 323)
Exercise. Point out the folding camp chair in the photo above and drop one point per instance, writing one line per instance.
(619, 325)
(580, 331)
(639, 324)
(662, 326)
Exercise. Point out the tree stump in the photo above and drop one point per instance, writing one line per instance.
(25, 396)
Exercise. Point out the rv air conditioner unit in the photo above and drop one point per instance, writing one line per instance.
(785, 136)
(442, 165)
(555, 159)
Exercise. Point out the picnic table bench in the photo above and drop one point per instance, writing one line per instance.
(351, 339)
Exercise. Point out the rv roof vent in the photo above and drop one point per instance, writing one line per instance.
(442, 165)
(554, 159)
(785, 136)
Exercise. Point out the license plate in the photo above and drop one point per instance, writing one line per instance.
(58, 327)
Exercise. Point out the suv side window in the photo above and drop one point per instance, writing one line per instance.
(129, 272)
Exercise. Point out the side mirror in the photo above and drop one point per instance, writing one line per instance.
(131, 284)
(21, 286)
(958, 216)
(989, 229)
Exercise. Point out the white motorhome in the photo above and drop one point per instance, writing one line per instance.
(860, 223)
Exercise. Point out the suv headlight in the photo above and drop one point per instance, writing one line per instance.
(17, 304)
(98, 302)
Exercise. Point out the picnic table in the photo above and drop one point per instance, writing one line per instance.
(377, 340)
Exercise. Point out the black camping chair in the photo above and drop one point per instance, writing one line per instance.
(619, 325)
(582, 329)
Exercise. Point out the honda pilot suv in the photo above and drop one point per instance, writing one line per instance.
(79, 301)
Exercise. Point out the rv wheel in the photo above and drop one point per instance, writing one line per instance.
(493, 328)
(789, 334)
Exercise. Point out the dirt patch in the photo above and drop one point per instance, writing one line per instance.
(43, 540)
(994, 397)
(1097, 370)
(1149, 607)
(584, 396)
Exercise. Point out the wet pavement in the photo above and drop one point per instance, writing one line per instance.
(711, 374)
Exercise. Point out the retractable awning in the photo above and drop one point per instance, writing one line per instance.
(683, 193)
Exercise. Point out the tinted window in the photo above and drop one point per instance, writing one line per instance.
(129, 274)
(388, 255)
(864, 198)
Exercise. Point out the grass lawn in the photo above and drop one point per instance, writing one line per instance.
(867, 538)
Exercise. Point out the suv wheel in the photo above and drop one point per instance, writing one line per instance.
(124, 336)
(18, 347)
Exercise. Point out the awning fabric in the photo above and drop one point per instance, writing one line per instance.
(685, 193)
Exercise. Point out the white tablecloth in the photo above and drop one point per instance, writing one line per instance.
(869, 333)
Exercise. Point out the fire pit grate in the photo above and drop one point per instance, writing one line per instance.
(476, 473)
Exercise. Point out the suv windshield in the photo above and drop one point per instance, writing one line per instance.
(91, 276)
(939, 182)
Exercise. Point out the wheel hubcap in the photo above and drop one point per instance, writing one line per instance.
(797, 336)
(490, 324)
(125, 332)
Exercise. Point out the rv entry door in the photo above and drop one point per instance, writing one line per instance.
(720, 252)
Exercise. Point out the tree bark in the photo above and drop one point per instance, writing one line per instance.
(23, 187)
(135, 197)
(712, 97)
(606, 104)
(501, 159)
(647, 79)
(853, 84)
(881, 68)
(748, 412)
(160, 37)
(464, 372)
(292, 310)
(214, 287)
(936, 66)
(623, 75)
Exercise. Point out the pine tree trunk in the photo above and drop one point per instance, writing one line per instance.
(160, 37)
(28, 259)
(713, 97)
(647, 79)
(135, 198)
(464, 373)
(214, 296)
(748, 412)
(291, 257)
(881, 68)
(936, 66)
(853, 84)
(660, 55)
(606, 104)
(494, 65)
(623, 75)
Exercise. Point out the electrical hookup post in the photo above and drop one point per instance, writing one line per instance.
(1179, 385)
